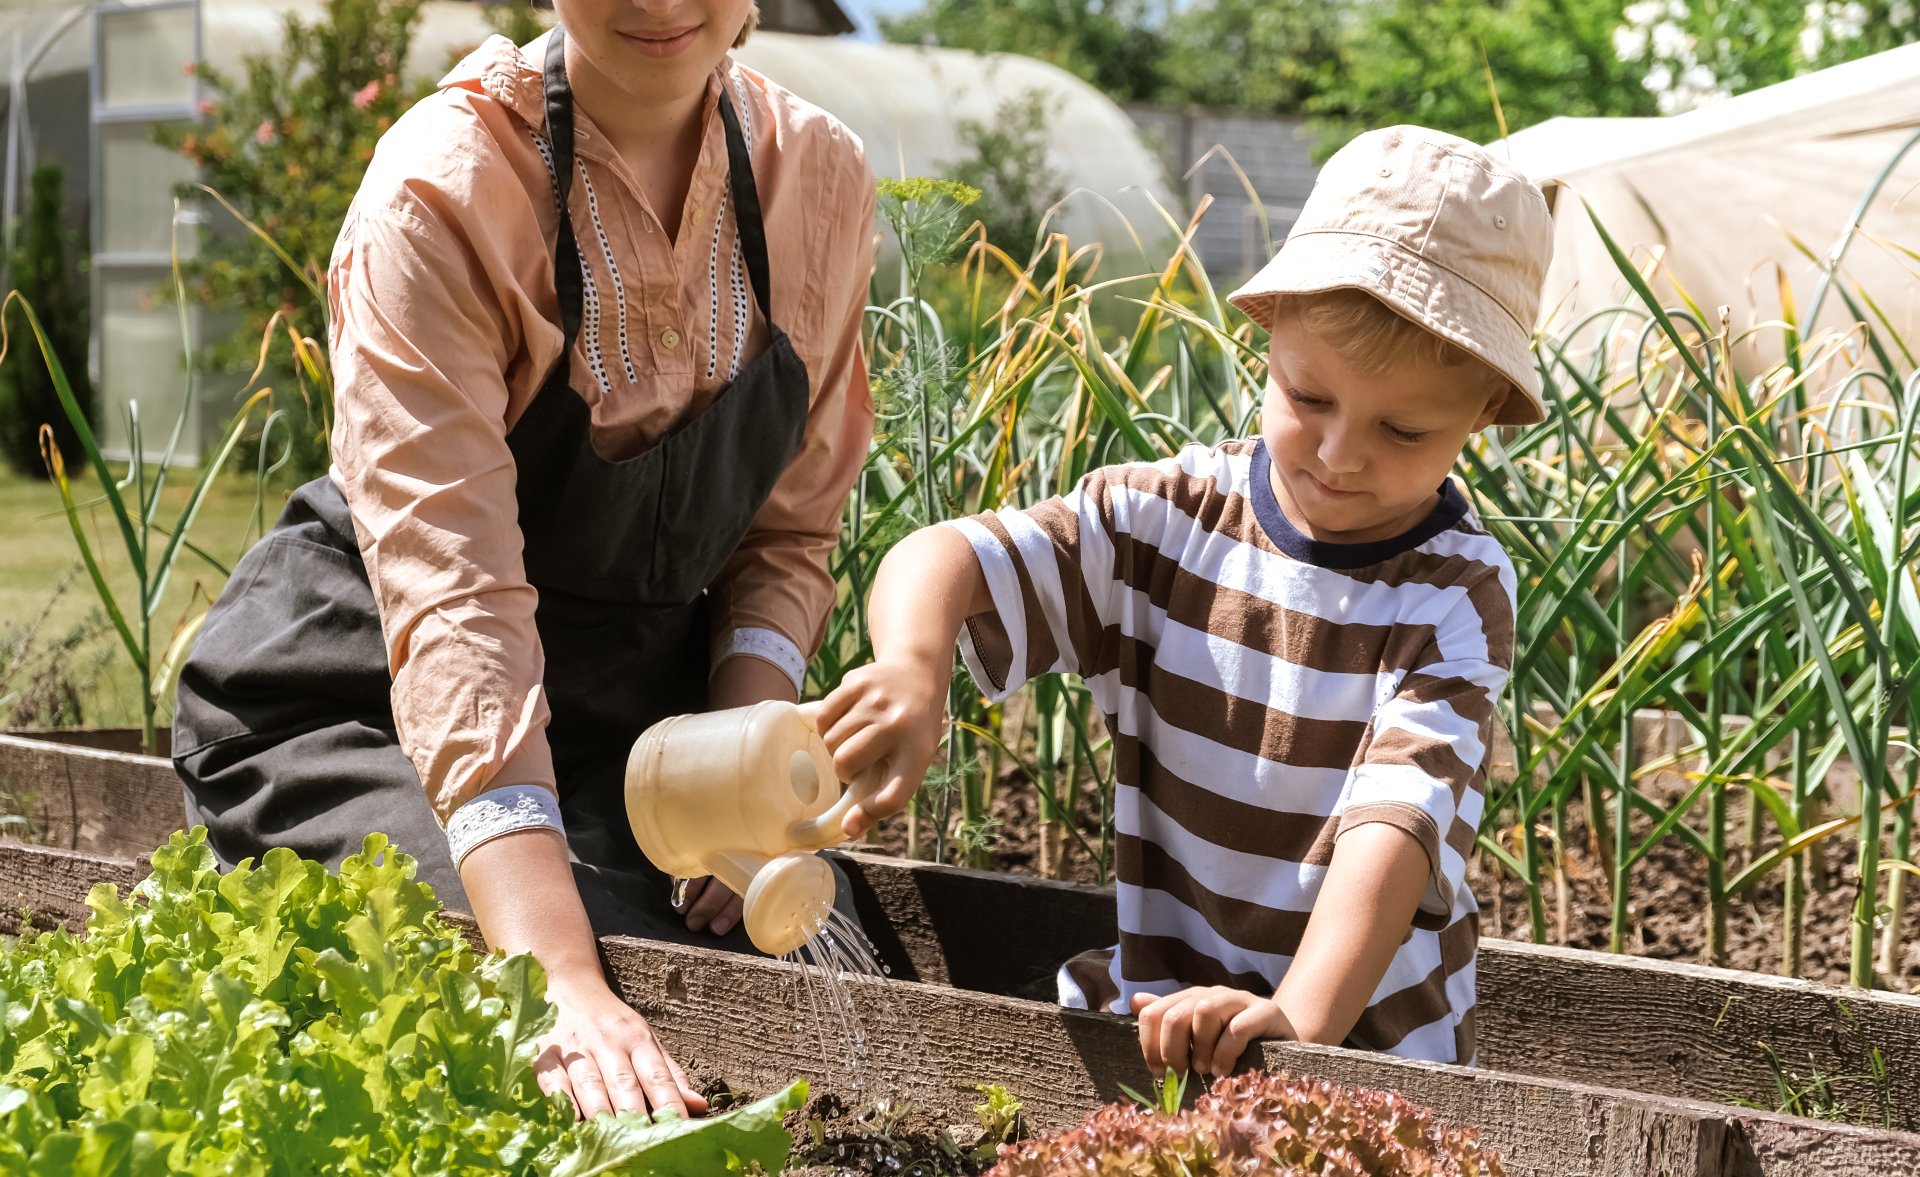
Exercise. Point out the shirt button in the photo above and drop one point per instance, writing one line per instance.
(669, 338)
(695, 214)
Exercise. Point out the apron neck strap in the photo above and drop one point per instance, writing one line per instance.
(751, 229)
(748, 223)
(566, 250)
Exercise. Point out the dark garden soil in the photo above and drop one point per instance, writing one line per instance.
(835, 1139)
(1667, 915)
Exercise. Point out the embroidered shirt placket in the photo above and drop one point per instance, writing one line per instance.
(613, 271)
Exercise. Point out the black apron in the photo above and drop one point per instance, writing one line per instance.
(284, 730)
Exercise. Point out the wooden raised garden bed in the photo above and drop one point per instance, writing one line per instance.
(1591, 1064)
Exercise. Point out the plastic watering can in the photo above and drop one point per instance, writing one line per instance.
(747, 796)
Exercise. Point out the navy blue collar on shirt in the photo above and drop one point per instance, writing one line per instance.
(1451, 508)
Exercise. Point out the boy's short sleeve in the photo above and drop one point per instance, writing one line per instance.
(1422, 767)
(1050, 571)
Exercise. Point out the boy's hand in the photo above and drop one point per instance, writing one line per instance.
(1205, 1029)
(887, 717)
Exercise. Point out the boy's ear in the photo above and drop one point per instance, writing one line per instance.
(1496, 401)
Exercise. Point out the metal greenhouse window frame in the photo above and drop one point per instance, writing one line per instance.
(106, 262)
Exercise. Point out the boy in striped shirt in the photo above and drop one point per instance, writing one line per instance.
(1297, 639)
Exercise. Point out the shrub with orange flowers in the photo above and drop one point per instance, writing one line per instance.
(1269, 1125)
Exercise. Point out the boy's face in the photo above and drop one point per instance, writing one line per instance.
(1358, 458)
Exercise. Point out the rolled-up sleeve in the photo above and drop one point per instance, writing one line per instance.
(773, 597)
(421, 344)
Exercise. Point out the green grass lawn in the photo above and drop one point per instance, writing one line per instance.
(45, 590)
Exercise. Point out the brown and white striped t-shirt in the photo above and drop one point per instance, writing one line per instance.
(1265, 692)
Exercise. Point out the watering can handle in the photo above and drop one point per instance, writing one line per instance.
(829, 829)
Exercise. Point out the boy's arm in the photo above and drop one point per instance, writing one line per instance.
(1366, 905)
(1039, 611)
(893, 711)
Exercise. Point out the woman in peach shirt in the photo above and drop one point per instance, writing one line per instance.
(600, 398)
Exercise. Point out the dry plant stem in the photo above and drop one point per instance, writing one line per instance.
(1563, 902)
(1562, 898)
(1716, 952)
(1819, 876)
(1899, 880)
(1793, 905)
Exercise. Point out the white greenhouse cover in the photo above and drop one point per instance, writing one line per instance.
(1724, 190)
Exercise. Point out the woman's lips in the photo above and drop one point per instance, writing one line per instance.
(662, 44)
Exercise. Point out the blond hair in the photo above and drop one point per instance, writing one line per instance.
(1372, 336)
(753, 22)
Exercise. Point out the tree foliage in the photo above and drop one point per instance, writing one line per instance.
(1114, 44)
(1439, 63)
(285, 142)
(1353, 64)
(1007, 162)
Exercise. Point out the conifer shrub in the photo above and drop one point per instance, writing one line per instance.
(40, 269)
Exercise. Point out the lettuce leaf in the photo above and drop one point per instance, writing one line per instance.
(283, 1019)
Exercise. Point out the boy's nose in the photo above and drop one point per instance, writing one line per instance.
(1341, 452)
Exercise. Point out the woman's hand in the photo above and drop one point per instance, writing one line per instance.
(710, 903)
(886, 717)
(604, 1057)
(1205, 1029)
(600, 1052)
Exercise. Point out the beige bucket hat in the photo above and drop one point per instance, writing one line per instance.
(1438, 229)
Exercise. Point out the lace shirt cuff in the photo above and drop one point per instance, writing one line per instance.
(501, 811)
(767, 645)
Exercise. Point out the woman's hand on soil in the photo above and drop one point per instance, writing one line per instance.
(1205, 1029)
(885, 717)
(710, 903)
(604, 1057)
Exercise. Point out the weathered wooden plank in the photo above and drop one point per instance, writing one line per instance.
(1698, 1032)
(79, 798)
(106, 739)
(744, 1020)
(1678, 1030)
(973, 929)
(44, 888)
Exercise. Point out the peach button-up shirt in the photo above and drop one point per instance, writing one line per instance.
(445, 324)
